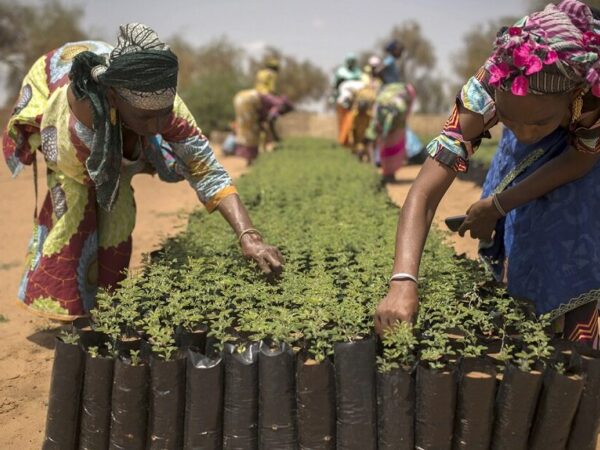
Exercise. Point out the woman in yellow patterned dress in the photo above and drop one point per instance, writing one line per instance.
(256, 112)
(100, 115)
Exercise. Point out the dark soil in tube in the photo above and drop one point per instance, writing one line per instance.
(516, 401)
(315, 393)
(586, 424)
(204, 402)
(195, 339)
(396, 410)
(355, 379)
(475, 405)
(240, 418)
(277, 397)
(556, 409)
(435, 405)
(129, 406)
(62, 421)
(167, 404)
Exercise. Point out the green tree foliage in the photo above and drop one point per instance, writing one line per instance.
(416, 65)
(477, 47)
(209, 78)
(27, 32)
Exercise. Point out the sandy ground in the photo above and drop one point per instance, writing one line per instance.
(26, 348)
(27, 341)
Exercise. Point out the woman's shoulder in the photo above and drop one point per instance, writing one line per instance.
(478, 96)
(59, 61)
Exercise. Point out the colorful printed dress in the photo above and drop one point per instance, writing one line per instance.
(388, 125)
(550, 246)
(266, 81)
(252, 109)
(78, 246)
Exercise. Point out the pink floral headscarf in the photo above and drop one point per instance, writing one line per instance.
(548, 52)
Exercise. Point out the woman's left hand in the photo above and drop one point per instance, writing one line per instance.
(267, 257)
(481, 220)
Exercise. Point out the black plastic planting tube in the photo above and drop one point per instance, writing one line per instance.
(556, 410)
(195, 339)
(95, 403)
(277, 397)
(167, 404)
(475, 405)
(355, 379)
(515, 407)
(396, 410)
(435, 405)
(240, 418)
(315, 393)
(586, 424)
(129, 406)
(203, 402)
(62, 421)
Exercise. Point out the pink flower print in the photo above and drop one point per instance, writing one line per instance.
(591, 38)
(498, 73)
(515, 31)
(551, 57)
(534, 65)
(521, 55)
(519, 86)
(593, 79)
(524, 59)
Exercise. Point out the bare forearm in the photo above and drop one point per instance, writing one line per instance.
(234, 212)
(417, 214)
(568, 167)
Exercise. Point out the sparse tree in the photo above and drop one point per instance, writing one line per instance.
(416, 66)
(209, 78)
(27, 32)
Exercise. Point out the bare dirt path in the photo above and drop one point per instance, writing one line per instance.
(460, 196)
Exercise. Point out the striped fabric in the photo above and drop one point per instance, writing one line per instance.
(568, 30)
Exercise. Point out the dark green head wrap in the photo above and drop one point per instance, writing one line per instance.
(143, 70)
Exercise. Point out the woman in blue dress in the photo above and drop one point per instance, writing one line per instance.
(541, 199)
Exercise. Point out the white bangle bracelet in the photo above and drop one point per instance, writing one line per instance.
(403, 276)
(497, 205)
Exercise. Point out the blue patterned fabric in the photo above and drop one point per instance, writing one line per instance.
(552, 243)
(390, 73)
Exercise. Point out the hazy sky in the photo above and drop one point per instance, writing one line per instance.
(321, 30)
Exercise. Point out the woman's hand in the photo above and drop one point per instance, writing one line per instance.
(481, 220)
(400, 304)
(267, 257)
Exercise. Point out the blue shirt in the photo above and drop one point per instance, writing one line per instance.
(390, 72)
